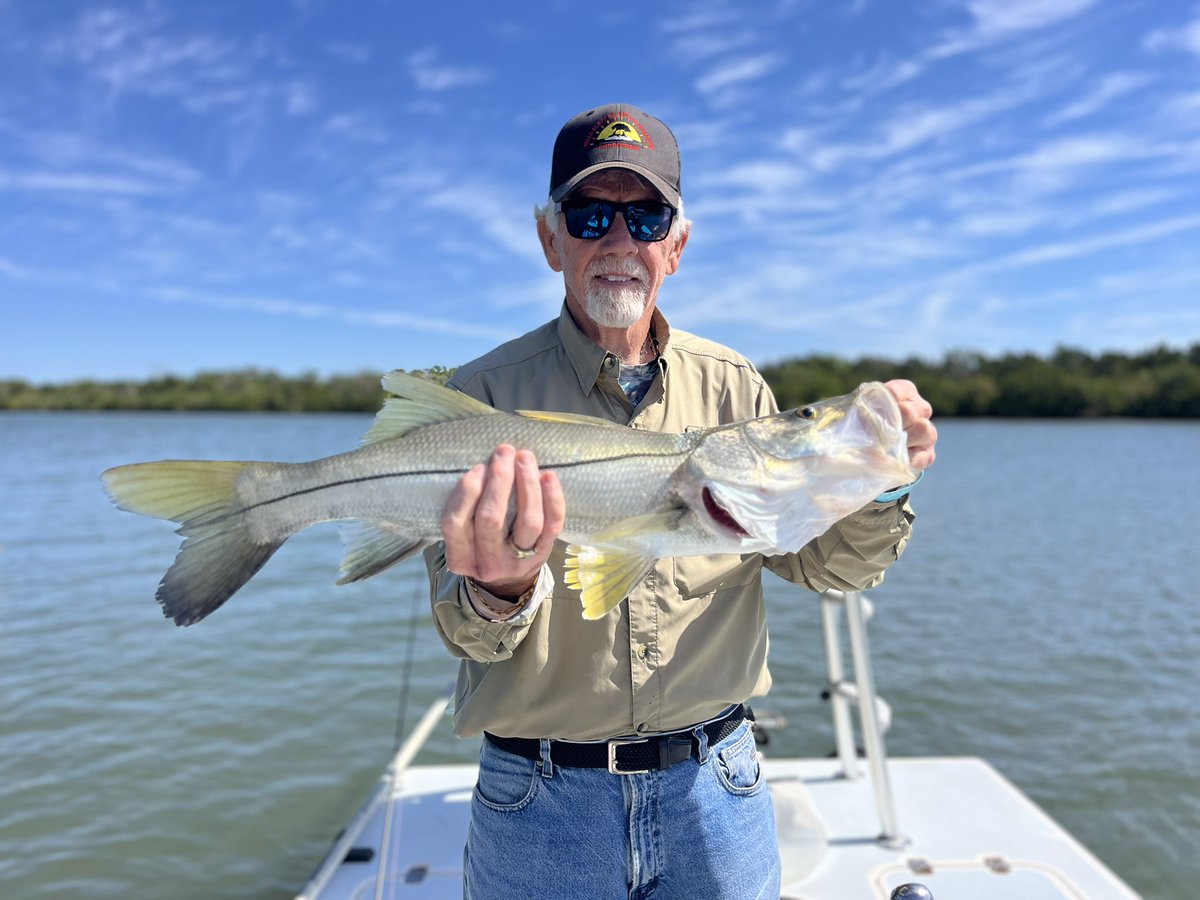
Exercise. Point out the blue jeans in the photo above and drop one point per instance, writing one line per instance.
(702, 829)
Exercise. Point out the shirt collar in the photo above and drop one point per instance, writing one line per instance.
(587, 357)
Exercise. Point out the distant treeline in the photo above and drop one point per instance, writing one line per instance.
(249, 390)
(1161, 383)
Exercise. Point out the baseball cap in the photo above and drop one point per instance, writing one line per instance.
(615, 136)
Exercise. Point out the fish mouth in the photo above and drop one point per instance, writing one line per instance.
(722, 516)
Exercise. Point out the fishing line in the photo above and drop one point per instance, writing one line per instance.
(385, 881)
(406, 671)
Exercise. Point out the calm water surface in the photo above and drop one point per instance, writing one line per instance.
(1044, 617)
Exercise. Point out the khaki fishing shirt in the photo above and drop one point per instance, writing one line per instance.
(691, 639)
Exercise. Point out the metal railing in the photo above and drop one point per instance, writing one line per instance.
(874, 713)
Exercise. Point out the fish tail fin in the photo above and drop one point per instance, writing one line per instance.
(218, 554)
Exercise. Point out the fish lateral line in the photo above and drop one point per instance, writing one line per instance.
(411, 473)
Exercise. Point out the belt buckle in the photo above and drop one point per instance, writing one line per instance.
(612, 757)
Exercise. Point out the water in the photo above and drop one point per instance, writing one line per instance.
(1043, 618)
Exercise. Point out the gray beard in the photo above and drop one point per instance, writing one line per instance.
(620, 308)
(619, 311)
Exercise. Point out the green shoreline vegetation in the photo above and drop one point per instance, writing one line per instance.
(1158, 383)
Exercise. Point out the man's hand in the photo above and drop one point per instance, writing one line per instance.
(915, 413)
(479, 542)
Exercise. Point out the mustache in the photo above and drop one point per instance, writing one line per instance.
(623, 265)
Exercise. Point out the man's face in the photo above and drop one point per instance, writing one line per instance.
(615, 279)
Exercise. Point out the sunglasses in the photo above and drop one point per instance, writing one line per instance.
(589, 220)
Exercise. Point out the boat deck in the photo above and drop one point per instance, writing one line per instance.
(971, 836)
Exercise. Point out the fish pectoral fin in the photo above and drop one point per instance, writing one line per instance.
(562, 418)
(604, 576)
(372, 547)
(417, 403)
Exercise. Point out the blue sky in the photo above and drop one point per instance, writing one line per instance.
(347, 186)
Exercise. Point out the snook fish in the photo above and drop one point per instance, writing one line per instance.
(768, 485)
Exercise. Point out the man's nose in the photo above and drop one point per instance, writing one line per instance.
(618, 240)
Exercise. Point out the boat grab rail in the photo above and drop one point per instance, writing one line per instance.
(874, 714)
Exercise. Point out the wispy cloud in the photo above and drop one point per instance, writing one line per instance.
(493, 212)
(275, 306)
(12, 271)
(997, 20)
(912, 127)
(1109, 88)
(77, 183)
(430, 75)
(348, 51)
(736, 72)
(992, 22)
(1186, 37)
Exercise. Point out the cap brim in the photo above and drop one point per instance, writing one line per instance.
(668, 193)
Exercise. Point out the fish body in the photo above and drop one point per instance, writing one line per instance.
(632, 497)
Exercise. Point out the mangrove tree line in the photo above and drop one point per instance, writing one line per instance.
(1161, 383)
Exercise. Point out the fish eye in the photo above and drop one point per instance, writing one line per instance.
(806, 412)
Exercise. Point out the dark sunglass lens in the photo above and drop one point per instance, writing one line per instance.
(588, 221)
(649, 221)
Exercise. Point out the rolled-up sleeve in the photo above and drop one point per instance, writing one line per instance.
(466, 634)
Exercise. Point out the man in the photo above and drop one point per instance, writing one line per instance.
(618, 759)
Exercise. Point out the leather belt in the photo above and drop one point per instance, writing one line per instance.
(627, 756)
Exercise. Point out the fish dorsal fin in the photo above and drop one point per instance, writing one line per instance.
(416, 403)
(563, 418)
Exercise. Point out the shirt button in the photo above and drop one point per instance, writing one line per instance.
(642, 728)
(608, 362)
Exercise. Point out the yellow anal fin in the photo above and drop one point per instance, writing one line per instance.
(604, 576)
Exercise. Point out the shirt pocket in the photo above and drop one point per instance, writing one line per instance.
(698, 576)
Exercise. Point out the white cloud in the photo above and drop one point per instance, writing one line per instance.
(698, 47)
(431, 76)
(737, 72)
(1109, 88)
(497, 216)
(699, 17)
(13, 271)
(349, 52)
(1036, 255)
(914, 126)
(295, 309)
(1055, 164)
(995, 18)
(77, 183)
(1186, 37)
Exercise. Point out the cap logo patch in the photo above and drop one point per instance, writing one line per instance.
(618, 129)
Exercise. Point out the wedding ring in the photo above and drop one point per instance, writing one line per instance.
(521, 552)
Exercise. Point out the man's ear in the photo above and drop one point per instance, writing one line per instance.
(549, 244)
(677, 250)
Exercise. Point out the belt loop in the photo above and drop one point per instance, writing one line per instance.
(701, 737)
(544, 758)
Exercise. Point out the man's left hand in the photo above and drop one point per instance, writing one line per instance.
(915, 415)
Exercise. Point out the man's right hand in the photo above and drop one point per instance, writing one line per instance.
(479, 541)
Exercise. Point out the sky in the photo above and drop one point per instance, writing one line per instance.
(337, 187)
